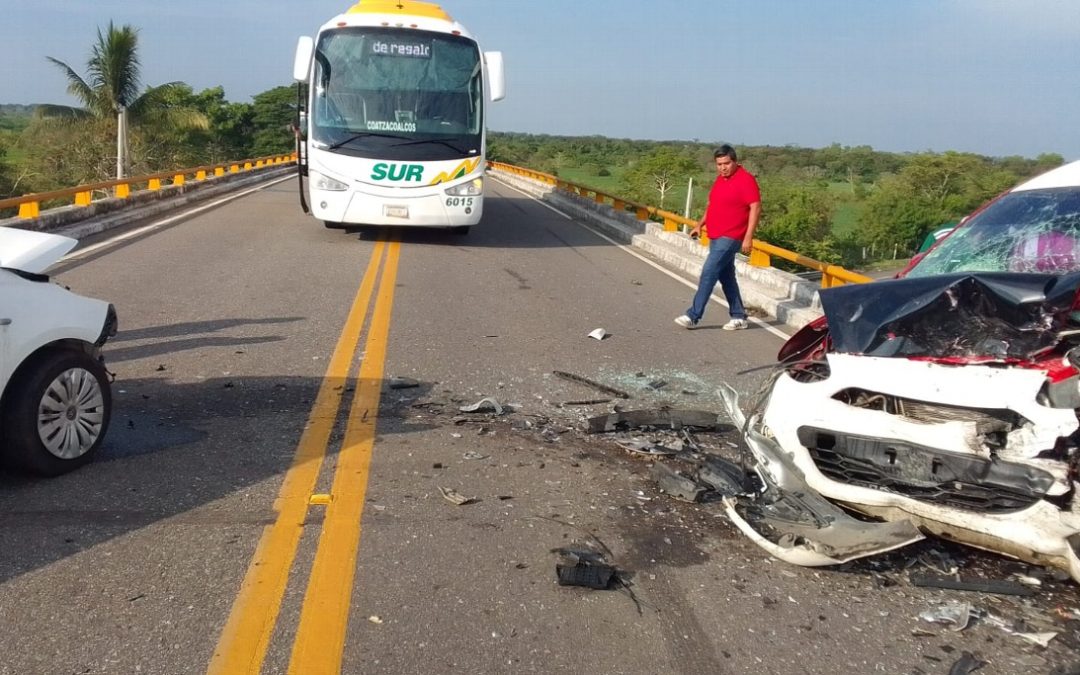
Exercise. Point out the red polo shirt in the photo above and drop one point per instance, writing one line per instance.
(728, 214)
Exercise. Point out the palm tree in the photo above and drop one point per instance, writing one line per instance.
(112, 90)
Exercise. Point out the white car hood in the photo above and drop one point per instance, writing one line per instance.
(32, 252)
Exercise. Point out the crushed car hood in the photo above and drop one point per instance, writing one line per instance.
(32, 252)
(993, 314)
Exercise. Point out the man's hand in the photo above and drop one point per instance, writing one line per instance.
(696, 231)
(747, 245)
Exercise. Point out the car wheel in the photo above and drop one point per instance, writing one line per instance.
(460, 230)
(57, 412)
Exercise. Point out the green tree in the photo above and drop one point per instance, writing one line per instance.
(799, 218)
(928, 191)
(111, 90)
(273, 113)
(658, 172)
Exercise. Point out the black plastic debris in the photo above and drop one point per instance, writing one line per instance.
(967, 663)
(582, 567)
(727, 478)
(675, 484)
(661, 418)
(591, 383)
(994, 586)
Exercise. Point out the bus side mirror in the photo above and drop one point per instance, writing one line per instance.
(496, 76)
(302, 63)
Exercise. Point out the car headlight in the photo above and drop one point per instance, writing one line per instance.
(470, 189)
(323, 182)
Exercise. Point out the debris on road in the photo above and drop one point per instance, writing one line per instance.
(455, 497)
(966, 664)
(662, 418)
(403, 383)
(472, 454)
(375, 619)
(486, 404)
(598, 334)
(954, 615)
(583, 567)
(992, 586)
(675, 484)
(591, 383)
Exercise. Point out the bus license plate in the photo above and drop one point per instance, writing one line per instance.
(397, 211)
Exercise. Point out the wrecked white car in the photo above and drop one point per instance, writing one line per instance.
(944, 402)
(55, 399)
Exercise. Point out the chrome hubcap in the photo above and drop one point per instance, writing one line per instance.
(70, 413)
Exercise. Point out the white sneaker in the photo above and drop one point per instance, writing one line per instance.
(686, 322)
(735, 324)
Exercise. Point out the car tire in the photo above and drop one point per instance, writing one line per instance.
(56, 413)
(333, 225)
(460, 230)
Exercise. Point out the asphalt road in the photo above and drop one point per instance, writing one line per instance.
(257, 366)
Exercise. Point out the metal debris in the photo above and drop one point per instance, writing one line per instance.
(591, 383)
(486, 404)
(455, 497)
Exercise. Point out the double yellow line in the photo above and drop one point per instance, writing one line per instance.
(320, 637)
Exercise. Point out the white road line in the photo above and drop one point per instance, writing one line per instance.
(82, 252)
(772, 329)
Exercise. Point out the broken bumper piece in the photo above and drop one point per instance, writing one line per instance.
(795, 524)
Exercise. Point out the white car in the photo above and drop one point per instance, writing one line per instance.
(55, 400)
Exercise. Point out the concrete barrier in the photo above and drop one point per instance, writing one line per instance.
(787, 298)
(105, 214)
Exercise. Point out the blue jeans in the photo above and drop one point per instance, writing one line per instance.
(719, 267)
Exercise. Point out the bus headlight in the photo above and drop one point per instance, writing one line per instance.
(472, 188)
(321, 182)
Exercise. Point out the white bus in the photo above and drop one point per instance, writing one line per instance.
(393, 125)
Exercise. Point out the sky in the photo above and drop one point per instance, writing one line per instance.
(994, 77)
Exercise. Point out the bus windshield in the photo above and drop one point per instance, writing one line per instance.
(393, 94)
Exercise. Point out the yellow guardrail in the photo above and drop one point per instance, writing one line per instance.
(761, 253)
(30, 205)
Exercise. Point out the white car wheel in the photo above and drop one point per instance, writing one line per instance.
(70, 413)
(56, 412)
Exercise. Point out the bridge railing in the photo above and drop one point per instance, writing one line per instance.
(761, 253)
(83, 195)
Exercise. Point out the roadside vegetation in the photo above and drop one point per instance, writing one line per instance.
(854, 206)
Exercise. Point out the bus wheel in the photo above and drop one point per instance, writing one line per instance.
(332, 225)
(460, 230)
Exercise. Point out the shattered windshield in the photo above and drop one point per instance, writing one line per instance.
(392, 94)
(1024, 231)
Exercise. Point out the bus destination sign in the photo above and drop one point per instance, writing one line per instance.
(416, 50)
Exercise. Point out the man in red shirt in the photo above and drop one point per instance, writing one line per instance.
(730, 219)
